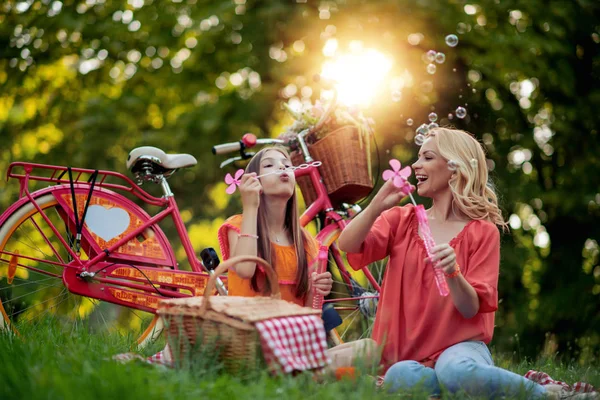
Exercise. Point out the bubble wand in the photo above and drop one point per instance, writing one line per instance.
(400, 179)
(236, 180)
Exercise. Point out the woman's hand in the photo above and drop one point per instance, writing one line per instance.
(321, 283)
(389, 195)
(250, 189)
(443, 257)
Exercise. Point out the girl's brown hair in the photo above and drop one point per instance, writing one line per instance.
(292, 224)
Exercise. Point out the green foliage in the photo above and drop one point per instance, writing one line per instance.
(85, 84)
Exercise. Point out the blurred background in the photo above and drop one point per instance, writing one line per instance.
(84, 82)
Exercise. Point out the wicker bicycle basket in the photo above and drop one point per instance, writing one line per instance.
(224, 324)
(344, 169)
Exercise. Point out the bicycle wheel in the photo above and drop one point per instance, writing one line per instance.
(354, 298)
(31, 268)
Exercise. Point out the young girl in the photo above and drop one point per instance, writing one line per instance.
(269, 228)
(428, 339)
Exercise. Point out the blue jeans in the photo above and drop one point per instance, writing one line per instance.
(465, 366)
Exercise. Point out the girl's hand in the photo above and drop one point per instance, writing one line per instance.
(250, 189)
(389, 195)
(321, 283)
(443, 257)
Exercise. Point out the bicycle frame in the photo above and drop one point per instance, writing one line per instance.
(126, 280)
(334, 223)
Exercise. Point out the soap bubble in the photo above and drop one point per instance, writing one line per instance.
(452, 40)
(440, 58)
(433, 117)
(452, 166)
(431, 69)
(419, 139)
(409, 122)
(430, 56)
(423, 129)
(461, 112)
(432, 126)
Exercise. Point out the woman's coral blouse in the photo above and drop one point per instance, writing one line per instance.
(413, 321)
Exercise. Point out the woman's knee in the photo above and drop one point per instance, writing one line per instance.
(410, 375)
(456, 373)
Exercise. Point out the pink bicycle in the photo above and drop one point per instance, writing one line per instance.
(355, 303)
(80, 250)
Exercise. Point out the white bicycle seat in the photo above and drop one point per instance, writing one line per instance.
(156, 155)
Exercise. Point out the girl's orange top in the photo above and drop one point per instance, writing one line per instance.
(284, 263)
(413, 321)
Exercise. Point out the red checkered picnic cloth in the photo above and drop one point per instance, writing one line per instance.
(293, 343)
(544, 379)
(156, 359)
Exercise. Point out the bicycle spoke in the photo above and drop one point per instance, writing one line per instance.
(36, 304)
(65, 296)
(34, 246)
(30, 293)
(344, 294)
(97, 308)
(355, 314)
(27, 282)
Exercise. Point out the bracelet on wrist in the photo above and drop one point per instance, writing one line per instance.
(455, 273)
(248, 235)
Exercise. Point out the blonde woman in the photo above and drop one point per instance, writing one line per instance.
(428, 340)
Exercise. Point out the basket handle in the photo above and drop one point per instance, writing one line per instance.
(225, 265)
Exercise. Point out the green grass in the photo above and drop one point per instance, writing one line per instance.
(48, 363)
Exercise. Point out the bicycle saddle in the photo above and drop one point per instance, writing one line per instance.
(160, 158)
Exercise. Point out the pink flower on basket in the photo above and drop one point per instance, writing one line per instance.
(317, 109)
(233, 182)
(399, 176)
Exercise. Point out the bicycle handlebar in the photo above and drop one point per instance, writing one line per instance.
(248, 140)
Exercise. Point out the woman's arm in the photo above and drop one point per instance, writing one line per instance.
(462, 293)
(464, 296)
(473, 287)
(355, 233)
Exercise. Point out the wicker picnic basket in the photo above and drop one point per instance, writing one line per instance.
(224, 323)
(344, 169)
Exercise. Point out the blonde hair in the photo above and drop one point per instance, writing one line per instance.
(473, 193)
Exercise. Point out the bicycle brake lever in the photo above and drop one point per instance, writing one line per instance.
(230, 160)
(238, 158)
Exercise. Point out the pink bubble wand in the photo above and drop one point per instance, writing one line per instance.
(400, 179)
(236, 180)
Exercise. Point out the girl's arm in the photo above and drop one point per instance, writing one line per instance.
(246, 242)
